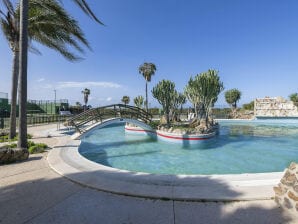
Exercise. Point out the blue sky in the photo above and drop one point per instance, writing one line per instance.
(253, 44)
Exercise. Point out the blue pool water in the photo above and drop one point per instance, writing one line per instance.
(240, 147)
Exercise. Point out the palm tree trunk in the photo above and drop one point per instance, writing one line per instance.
(146, 96)
(22, 141)
(14, 89)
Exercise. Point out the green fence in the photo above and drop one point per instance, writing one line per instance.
(34, 119)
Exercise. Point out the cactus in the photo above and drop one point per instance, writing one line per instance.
(165, 93)
(139, 101)
(202, 92)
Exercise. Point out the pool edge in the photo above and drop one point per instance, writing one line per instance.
(232, 187)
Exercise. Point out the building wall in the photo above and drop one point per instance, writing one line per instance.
(275, 107)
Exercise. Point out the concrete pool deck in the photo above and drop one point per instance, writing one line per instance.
(31, 192)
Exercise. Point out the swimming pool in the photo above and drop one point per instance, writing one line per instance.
(240, 147)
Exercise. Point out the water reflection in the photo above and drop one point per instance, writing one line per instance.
(260, 130)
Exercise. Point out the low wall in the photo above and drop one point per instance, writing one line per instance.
(286, 193)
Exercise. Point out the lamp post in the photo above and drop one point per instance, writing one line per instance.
(55, 100)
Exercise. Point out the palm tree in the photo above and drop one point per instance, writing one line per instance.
(22, 140)
(23, 60)
(56, 35)
(125, 100)
(86, 93)
(147, 70)
(10, 28)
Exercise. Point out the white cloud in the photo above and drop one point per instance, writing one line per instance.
(87, 84)
(109, 99)
(40, 80)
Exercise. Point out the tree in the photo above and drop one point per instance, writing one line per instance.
(165, 93)
(232, 96)
(59, 36)
(203, 91)
(125, 100)
(22, 142)
(294, 98)
(147, 70)
(86, 93)
(249, 106)
(139, 101)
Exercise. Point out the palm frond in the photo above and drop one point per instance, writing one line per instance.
(49, 24)
(86, 9)
(8, 5)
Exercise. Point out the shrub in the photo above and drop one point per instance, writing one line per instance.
(154, 124)
(30, 143)
(32, 147)
(4, 137)
(9, 146)
(249, 106)
(37, 148)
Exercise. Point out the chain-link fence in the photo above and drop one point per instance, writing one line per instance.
(38, 111)
(34, 119)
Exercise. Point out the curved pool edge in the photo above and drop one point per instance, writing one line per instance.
(69, 163)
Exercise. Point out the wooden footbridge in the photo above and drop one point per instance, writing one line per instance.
(101, 114)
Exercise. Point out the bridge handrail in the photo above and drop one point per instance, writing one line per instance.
(99, 112)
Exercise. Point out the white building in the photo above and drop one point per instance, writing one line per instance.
(274, 107)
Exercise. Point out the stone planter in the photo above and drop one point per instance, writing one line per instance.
(174, 136)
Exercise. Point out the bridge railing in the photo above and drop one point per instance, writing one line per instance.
(109, 111)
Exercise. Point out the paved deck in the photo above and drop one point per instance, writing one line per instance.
(31, 192)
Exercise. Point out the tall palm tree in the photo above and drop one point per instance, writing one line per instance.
(57, 35)
(86, 93)
(147, 70)
(23, 56)
(10, 28)
(22, 140)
